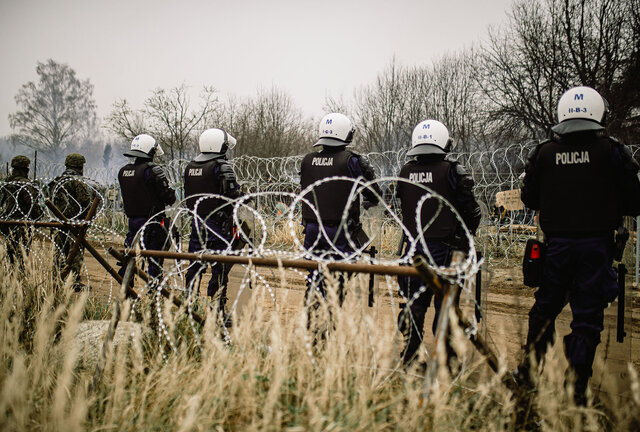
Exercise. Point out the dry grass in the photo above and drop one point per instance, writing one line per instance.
(268, 377)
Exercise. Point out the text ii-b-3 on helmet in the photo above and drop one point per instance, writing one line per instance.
(335, 130)
(214, 143)
(583, 104)
(430, 137)
(144, 146)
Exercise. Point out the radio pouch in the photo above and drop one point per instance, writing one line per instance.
(532, 263)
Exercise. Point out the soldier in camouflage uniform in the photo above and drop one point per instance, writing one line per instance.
(18, 201)
(73, 197)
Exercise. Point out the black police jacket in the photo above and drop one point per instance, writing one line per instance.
(436, 219)
(202, 178)
(145, 189)
(582, 183)
(329, 198)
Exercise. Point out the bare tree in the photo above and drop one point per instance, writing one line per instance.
(380, 111)
(551, 45)
(125, 122)
(167, 116)
(625, 92)
(173, 121)
(386, 112)
(451, 94)
(54, 112)
(268, 125)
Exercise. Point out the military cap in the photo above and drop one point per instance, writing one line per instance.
(74, 160)
(20, 162)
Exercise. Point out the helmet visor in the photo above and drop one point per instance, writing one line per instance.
(231, 142)
(159, 151)
(203, 157)
(576, 125)
(331, 142)
(424, 149)
(136, 153)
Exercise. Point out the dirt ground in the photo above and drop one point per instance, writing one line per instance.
(506, 304)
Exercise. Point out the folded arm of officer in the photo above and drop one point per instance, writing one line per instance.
(156, 178)
(625, 168)
(359, 166)
(466, 203)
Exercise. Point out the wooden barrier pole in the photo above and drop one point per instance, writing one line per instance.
(82, 232)
(103, 262)
(35, 224)
(121, 258)
(176, 301)
(113, 325)
(432, 280)
(276, 262)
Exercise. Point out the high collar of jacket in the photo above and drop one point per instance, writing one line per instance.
(19, 173)
(576, 125)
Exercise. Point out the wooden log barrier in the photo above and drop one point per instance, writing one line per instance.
(380, 269)
(144, 276)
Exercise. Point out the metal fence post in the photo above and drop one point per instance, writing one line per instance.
(637, 251)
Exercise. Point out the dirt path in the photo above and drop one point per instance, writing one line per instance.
(506, 305)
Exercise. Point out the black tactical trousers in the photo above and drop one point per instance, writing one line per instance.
(412, 316)
(577, 271)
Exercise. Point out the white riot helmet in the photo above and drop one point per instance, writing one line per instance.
(583, 104)
(335, 130)
(430, 137)
(214, 143)
(144, 146)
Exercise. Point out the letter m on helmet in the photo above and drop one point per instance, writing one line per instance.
(578, 96)
(426, 126)
(329, 121)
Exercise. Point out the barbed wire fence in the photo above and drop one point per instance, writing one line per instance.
(271, 209)
(500, 237)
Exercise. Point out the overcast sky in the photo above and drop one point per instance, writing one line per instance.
(311, 49)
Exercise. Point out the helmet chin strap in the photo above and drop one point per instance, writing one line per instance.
(449, 145)
(605, 115)
(153, 150)
(349, 137)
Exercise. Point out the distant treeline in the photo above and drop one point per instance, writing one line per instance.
(490, 95)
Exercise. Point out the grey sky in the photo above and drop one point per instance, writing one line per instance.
(309, 48)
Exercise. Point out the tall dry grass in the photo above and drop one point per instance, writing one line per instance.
(269, 376)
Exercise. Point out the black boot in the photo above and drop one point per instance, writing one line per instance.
(578, 376)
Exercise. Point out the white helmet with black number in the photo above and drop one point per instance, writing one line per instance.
(335, 130)
(430, 137)
(214, 143)
(585, 106)
(144, 146)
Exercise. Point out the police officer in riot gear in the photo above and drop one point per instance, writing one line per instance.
(18, 201)
(145, 195)
(330, 198)
(207, 178)
(582, 182)
(438, 228)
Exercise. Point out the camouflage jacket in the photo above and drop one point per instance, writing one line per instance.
(19, 198)
(70, 194)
